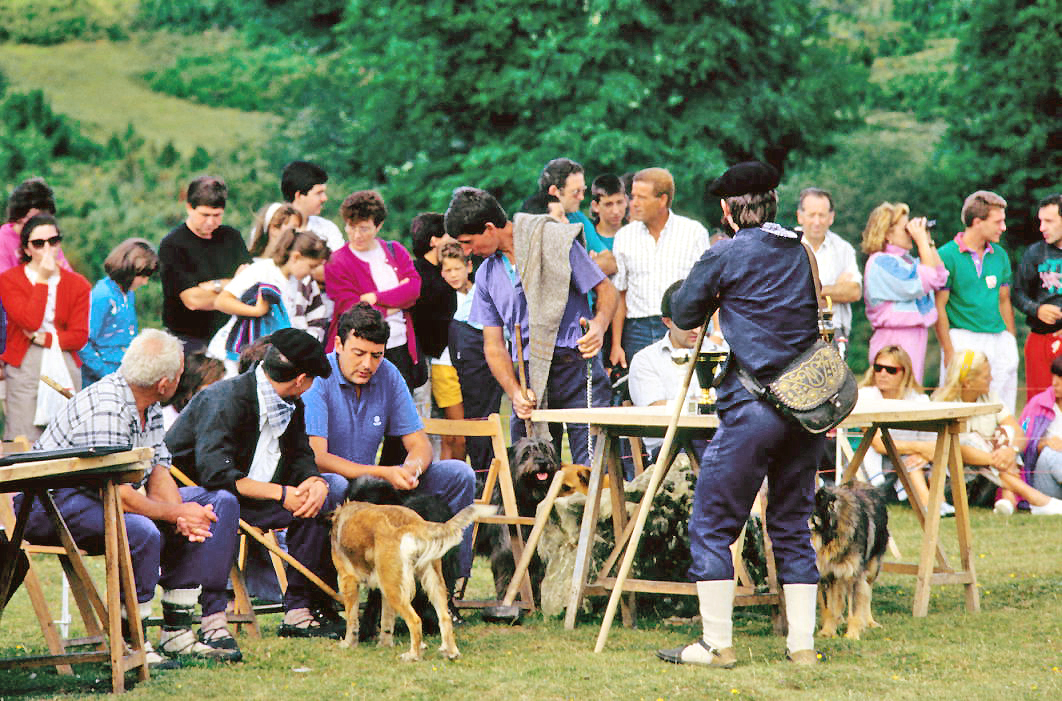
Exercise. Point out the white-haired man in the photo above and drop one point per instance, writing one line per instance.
(182, 538)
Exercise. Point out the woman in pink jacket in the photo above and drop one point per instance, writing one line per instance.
(380, 272)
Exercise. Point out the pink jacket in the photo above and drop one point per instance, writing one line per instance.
(347, 278)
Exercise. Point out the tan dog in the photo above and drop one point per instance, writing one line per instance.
(386, 546)
(577, 479)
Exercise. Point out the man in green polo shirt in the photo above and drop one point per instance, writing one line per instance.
(974, 312)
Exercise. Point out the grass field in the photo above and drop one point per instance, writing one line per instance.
(1011, 650)
(96, 83)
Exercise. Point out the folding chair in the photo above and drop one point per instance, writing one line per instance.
(499, 474)
(243, 612)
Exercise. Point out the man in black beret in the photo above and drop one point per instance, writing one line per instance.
(760, 282)
(247, 435)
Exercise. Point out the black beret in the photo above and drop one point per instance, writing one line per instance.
(745, 179)
(303, 351)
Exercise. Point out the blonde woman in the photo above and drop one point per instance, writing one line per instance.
(891, 376)
(993, 442)
(898, 287)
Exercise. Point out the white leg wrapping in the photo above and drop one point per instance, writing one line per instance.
(716, 599)
(800, 614)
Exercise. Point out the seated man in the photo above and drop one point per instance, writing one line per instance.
(247, 436)
(189, 533)
(362, 400)
(657, 371)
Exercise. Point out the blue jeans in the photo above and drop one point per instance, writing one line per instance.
(641, 332)
(307, 540)
(1048, 474)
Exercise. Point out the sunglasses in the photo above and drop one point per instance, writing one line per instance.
(891, 369)
(53, 242)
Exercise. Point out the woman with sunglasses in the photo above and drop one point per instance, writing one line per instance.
(891, 376)
(45, 305)
(898, 287)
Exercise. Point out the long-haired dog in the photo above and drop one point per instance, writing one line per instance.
(532, 463)
(850, 531)
(388, 547)
(429, 508)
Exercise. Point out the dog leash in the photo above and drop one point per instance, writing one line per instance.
(589, 395)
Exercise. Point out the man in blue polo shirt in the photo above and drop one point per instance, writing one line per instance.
(349, 413)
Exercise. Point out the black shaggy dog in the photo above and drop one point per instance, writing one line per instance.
(850, 531)
(429, 508)
(533, 462)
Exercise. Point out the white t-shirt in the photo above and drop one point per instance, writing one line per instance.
(385, 278)
(328, 232)
(262, 270)
(873, 462)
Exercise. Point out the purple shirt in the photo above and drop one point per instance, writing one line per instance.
(499, 297)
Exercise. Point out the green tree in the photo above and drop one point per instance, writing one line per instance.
(1005, 122)
(428, 96)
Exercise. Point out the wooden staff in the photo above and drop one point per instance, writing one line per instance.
(659, 469)
(518, 339)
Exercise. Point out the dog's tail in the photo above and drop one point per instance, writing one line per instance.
(440, 537)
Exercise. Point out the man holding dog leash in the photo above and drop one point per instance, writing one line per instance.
(518, 290)
(761, 283)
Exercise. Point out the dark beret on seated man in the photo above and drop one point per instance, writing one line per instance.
(247, 435)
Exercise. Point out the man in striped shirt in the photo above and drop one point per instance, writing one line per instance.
(656, 249)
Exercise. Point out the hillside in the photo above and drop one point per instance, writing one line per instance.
(97, 83)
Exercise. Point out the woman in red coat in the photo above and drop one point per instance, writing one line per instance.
(44, 305)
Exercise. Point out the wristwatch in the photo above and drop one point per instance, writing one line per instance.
(217, 287)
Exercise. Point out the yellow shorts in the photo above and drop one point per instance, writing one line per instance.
(444, 386)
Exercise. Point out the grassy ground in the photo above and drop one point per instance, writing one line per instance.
(1012, 649)
(96, 83)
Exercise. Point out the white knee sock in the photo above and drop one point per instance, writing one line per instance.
(716, 598)
(800, 615)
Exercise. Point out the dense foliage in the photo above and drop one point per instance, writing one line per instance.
(428, 96)
(53, 21)
(1005, 123)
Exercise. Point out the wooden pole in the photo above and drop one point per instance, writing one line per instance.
(659, 469)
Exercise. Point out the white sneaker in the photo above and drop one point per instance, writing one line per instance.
(1051, 508)
(946, 509)
(1003, 507)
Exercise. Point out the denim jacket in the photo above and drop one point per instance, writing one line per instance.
(112, 325)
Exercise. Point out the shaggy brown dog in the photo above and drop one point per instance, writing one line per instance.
(387, 546)
(850, 531)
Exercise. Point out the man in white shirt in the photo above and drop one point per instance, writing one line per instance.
(657, 371)
(838, 270)
(656, 249)
(304, 185)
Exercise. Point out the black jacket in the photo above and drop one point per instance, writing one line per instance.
(214, 438)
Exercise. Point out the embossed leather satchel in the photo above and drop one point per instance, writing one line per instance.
(817, 389)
